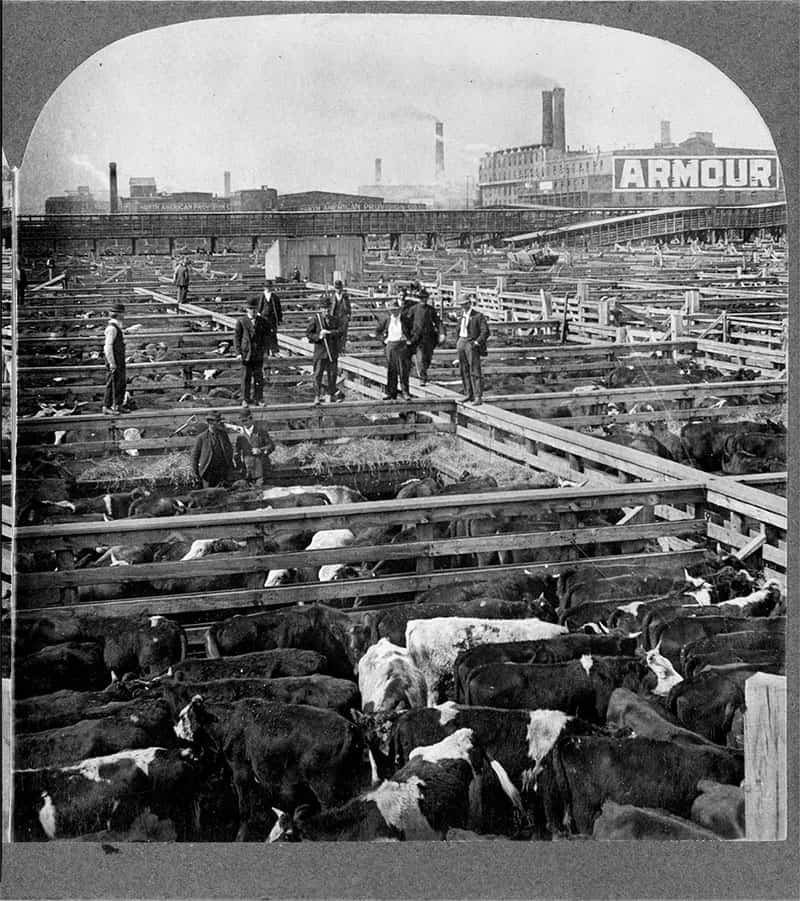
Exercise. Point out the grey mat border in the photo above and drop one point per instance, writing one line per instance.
(756, 44)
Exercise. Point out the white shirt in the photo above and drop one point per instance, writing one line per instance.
(110, 334)
(395, 332)
(462, 332)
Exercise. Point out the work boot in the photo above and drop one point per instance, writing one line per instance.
(107, 411)
(406, 395)
(317, 400)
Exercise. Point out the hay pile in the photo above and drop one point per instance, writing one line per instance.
(175, 468)
(435, 451)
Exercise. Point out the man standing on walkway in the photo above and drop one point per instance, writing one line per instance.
(340, 310)
(252, 448)
(212, 455)
(395, 331)
(250, 343)
(473, 333)
(425, 327)
(323, 332)
(181, 279)
(273, 315)
(114, 354)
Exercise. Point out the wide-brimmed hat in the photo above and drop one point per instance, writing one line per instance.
(117, 308)
(338, 283)
(214, 416)
(423, 294)
(466, 301)
(269, 282)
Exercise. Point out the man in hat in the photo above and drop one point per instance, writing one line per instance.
(395, 332)
(425, 328)
(323, 331)
(251, 449)
(250, 343)
(473, 333)
(340, 310)
(181, 279)
(296, 277)
(212, 455)
(114, 354)
(272, 313)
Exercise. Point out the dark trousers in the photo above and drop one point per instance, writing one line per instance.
(183, 293)
(323, 366)
(213, 477)
(398, 366)
(253, 372)
(115, 387)
(469, 361)
(424, 357)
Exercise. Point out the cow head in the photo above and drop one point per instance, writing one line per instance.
(377, 728)
(193, 722)
(663, 669)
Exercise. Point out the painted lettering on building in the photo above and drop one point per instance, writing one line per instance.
(695, 173)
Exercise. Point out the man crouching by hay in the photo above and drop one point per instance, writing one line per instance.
(212, 455)
(251, 449)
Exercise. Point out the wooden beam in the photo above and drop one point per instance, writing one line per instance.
(765, 784)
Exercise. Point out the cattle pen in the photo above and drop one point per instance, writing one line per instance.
(604, 375)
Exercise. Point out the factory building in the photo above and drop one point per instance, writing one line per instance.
(694, 172)
(437, 194)
(80, 202)
(328, 200)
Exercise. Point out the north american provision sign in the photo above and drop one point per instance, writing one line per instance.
(695, 173)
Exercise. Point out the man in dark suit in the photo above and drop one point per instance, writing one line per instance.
(473, 333)
(395, 332)
(212, 455)
(181, 279)
(425, 327)
(340, 309)
(272, 313)
(114, 355)
(250, 343)
(251, 449)
(323, 331)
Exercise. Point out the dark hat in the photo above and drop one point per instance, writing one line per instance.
(423, 294)
(338, 283)
(270, 282)
(253, 304)
(214, 416)
(246, 414)
(118, 308)
(466, 301)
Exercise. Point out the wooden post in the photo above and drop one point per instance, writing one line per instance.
(66, 560)
(547, 303)
(7, 760)
(622, 335)
(456, 293)
(675, 330)
(765, 800)
(602, 312)
(425, 533)
(725, 327)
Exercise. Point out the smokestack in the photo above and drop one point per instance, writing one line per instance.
(665, 135)
(227, 179)
(547, 118)
(113, 196)
(439, 151)
(377, 170)
(559, 129)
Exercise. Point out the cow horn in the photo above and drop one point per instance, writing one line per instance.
(169, 673)
(114, 677)
(657, 648)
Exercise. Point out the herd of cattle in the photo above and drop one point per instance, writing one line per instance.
(527, 707)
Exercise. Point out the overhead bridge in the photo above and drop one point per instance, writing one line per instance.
(133, 226)
(659, 223)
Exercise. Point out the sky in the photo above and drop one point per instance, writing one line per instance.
(305, 102)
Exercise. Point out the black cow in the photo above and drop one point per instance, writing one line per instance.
(321, 691)
(258, 665)
(65, 707)
(625, 822)
(579, 687)
(141, 724)
(313, 628)
(280, 755)
(707, 705)
(743, 641)
(431, 794)
(104, 793)
(75, 665)
(583, 772)
(548, 650)
(144, 645)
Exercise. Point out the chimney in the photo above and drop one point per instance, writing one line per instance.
(227, 179)
(559, 128)
(439, 151)
(665, 135)
(113, 196)
(377, 170)
(547, 118)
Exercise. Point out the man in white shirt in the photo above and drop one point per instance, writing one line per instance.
(395, 331)
(114, 355)
(473, 333)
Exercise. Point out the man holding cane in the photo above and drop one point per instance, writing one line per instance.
(323, 332)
